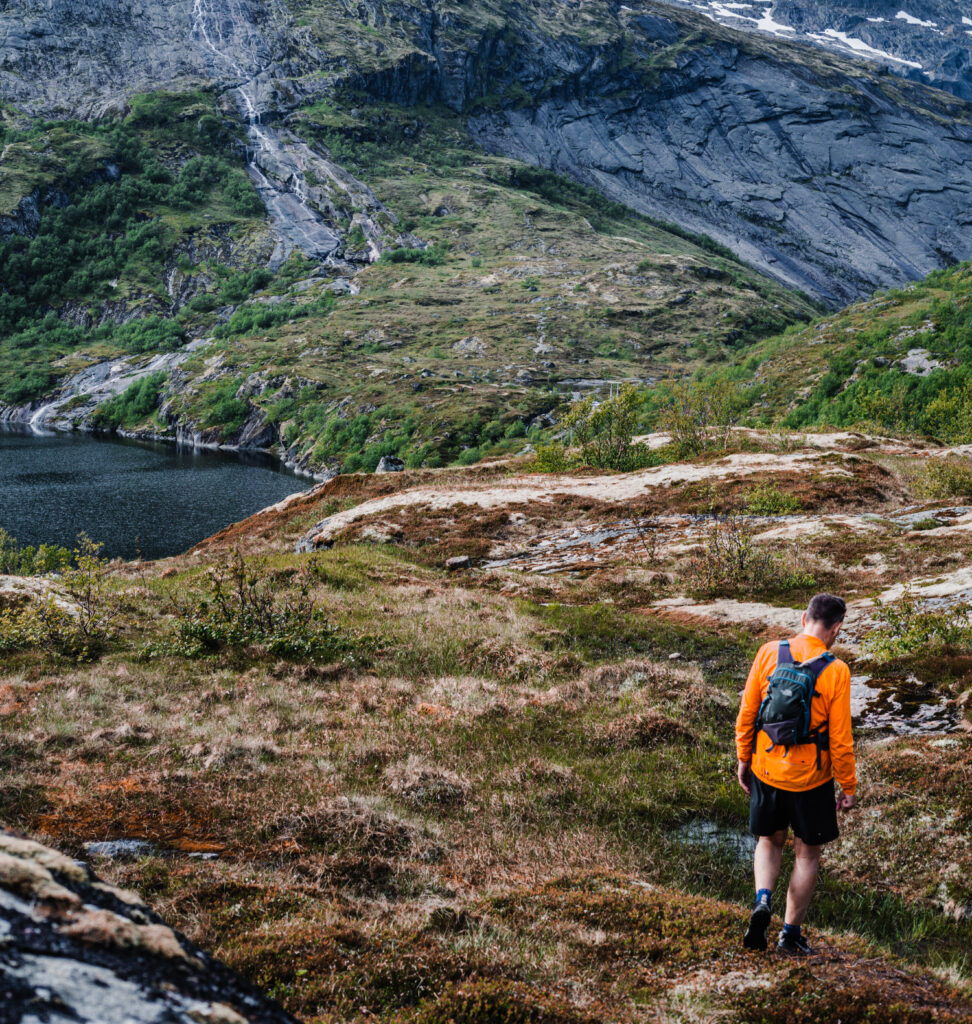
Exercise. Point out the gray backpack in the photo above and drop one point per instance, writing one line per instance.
(785, 713)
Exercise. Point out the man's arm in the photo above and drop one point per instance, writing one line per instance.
(842, 740)
(746, 720)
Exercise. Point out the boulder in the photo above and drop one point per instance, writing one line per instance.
(79, 951)
(389, 464)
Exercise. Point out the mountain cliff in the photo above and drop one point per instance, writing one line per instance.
(815, 168)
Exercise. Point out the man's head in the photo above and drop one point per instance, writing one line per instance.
(824, 617)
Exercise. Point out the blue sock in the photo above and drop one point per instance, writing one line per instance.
(760, 893)
(792, 930)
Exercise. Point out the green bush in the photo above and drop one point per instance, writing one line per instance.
(78, 628)
(605, 430)
(24, 560)
(945, 478)
(433, 256)
(905, 629)
(766, 499)
(552, 458)
(245, 609)
(242, 197)
(730, 562)
(699, 415)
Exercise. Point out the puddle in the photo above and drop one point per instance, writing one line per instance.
(120, 849)
(903, 706)
(135, 849)
(710, 835)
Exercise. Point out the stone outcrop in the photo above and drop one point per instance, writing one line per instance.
(831, 181)
(78, 950)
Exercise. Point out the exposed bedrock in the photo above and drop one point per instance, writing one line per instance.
(832, 190)
(78, 951)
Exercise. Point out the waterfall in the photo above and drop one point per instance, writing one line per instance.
(271, 168)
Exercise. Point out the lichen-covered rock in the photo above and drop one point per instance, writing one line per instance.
(80, 951)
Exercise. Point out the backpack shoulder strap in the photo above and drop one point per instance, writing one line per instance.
(784, 656)
(816, 666)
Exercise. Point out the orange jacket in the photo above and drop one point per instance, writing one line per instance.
(796, 770)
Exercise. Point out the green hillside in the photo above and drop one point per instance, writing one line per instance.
(900, 363)
(529, 282)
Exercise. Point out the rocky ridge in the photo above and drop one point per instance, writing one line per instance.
(925, 40)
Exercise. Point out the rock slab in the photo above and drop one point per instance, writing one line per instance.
(79, 951)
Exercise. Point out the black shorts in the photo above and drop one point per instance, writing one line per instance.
(812, 814)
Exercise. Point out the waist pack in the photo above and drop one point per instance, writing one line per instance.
(785, 713)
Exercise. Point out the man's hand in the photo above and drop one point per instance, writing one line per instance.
(846, 801)
(744, 775)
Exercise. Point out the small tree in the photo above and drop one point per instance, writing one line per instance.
(86, 583)
(700, 415)
(605, 430)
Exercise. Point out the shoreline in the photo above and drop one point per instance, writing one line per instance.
(22, 424)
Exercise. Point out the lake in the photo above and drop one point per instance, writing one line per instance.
(135, 497)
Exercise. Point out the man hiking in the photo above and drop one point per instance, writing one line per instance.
(793, 736)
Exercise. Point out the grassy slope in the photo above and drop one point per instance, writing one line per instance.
(497, 787)
(109, 254)
(525, 259)
(846, 369)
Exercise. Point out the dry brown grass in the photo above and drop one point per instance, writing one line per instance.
(476, 794)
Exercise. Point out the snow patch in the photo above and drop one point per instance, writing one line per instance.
(861, 47)
(911, 20)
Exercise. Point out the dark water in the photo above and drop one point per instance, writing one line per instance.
(134, 497)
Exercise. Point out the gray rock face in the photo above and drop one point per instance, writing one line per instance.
(83, 56)
(926, 40)
(827, 185)
(78, 951)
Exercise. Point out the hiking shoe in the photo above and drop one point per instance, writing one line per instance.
(793, 946)
(755, 937)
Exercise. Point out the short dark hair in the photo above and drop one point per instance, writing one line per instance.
(827, 609)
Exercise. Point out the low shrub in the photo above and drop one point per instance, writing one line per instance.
(904, 630)
(25, 560)
(730, 562)
(433, 256)
(138, 401)
(496, 1002)
(80, 624)
(766, 499)
(803, 999)
(605, 430)
(552, 458)
(700, 415)
(245, 609)
(945, 478)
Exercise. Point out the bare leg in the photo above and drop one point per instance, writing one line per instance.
(802, 881)
(767, 860)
